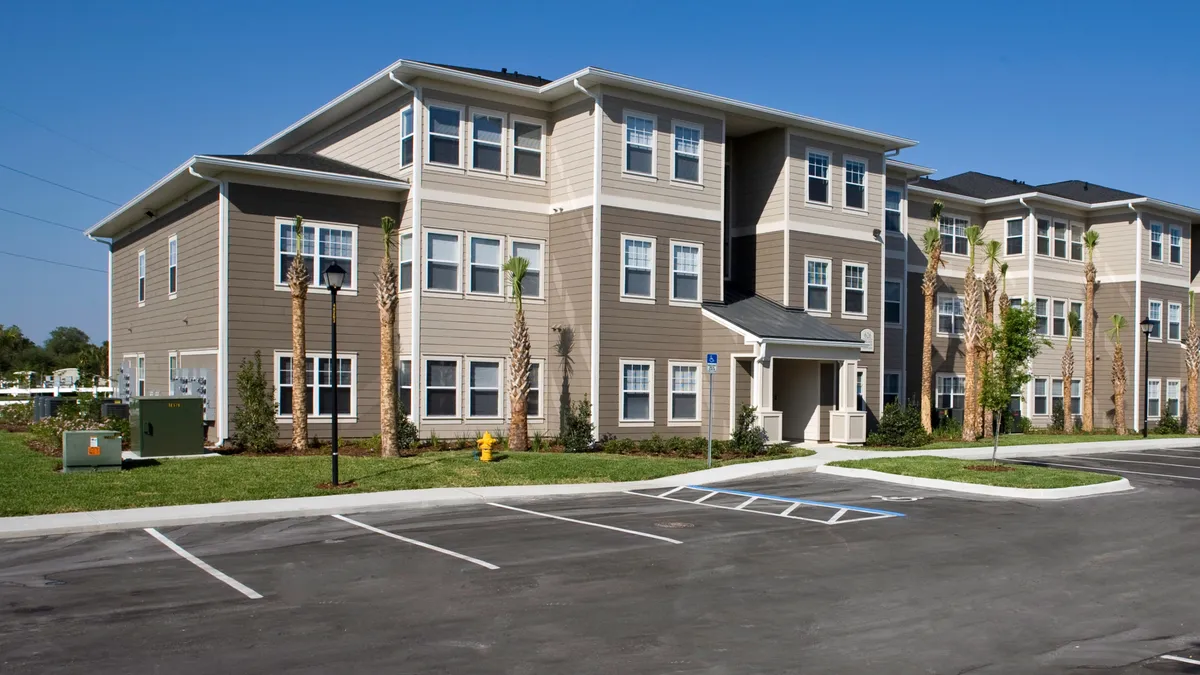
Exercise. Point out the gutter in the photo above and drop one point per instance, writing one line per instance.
(108, 365)
(594, 340)
(1137, 319)
(222, 304)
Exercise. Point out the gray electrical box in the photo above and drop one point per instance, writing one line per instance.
(98, 450)
(196, 382)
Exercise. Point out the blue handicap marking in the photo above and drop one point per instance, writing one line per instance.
(710, 359)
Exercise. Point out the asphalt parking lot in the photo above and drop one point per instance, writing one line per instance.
(803, 573)
(1169, 466)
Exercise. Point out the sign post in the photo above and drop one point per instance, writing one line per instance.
(710, 364)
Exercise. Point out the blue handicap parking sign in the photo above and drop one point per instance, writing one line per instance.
(710, 359)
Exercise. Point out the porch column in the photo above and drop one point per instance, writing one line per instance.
(848, 396)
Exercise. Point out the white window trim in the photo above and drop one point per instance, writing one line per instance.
(501, 394)
(172, 356)
(866, 287)
(412, 134)
(808, 200)
(1166, 397)
(351, 284)
(899, 386)
(1071, 227)
(459, 406)
(1034, 397)
(139, 375)
(621, 392)
(699, 274)
(1162, 319)
(1054, 223)
(1166, 332)
(899, 209)
(412, 252)
(541, 390)
(938, 315)
(1066, 317)
(650, 299)
(864, 397)
(1162, 245)
(405, 358)
(1171, 231)
(173, 241)
(512, 142)
(955, 216)
(484, 112)
(699, 182)
(1157, 381)
(653, 175)
(846, 159)
(343, 416)
(885, 301)
(425, 260)
(673, 421)
(937, 390)
(1007, 237)
(428, 130)
(828, 311)
(468, 264)
(141, 278)
(541, 244)
(1049, 315)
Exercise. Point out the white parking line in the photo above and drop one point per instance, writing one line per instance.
(584, 522)
(414, 542)
(233, 583)
(1180, 659)
(1101, 468)
(1155, 454)
(1139, 461)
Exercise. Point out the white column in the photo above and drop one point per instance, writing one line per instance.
(848, 396)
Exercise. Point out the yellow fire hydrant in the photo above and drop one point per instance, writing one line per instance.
(485, 443)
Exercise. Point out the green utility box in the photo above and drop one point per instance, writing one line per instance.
(91, 451)
(165, 426)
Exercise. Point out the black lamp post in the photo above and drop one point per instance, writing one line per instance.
(335, 276)
(1147, 327)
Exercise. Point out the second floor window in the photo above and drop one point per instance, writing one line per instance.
(818, 177)
(527, 149)
(892, 292)
(444, 136)
(1156, 242)
(950, 315)
(320, 247)
(817, 284)
(685, 272)
(1155, 315)
(1060, 318)
(637, 274)
(639, 145)
(485, 265)
(891, 210)
(173, 266)
(141, 291)
(687, 153)
(1041, 310)
(954, 235)
(441, 272)
(406, 136)
(854, 290)
(1176, 246)
(1060, 239)
(856, 184)
(487, 142)
(406, 261)
(1043, 237)
(531, 285)
(1015, 237)
(1174, 321)
(1077, 242)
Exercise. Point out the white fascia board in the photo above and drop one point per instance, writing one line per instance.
(132, 203)
(912, 170)
(293, 172)
(1054, 199)
(921, 190)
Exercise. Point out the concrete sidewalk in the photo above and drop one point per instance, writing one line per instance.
(267, 509)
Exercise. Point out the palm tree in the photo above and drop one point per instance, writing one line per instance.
(518, 363)
(1118, 373)
(933, 260)
(1004, 301)
(298, 277)
(973, 327)
(1068, 372)
(1090, 239)
(386, 297)
(1191, 357)
(991, 253)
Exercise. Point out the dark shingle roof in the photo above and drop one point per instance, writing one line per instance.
(975, 184)
(766, 319)
(514, 76)
(309, 162)
(1082, 191)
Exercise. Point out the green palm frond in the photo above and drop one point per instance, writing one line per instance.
(516, 267)
(931, 239)
(388, 225)
(1118, 324)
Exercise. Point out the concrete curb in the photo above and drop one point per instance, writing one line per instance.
(1120, 485)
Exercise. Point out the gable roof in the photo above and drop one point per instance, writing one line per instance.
(502, 74)
(768, 320)
(1082, 191)
(978, 185)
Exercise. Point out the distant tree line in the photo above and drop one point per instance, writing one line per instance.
(67, 347)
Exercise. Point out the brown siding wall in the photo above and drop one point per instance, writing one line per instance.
(1112, 299)
(758, 181)
(768, 265)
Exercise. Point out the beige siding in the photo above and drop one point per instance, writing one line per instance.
(768, 265)
(836, 213)
(572, 143)
(569, 284)
(1116, 250)
(995, 228)
(369, 139)
(919, 221)
(758, 180)
(1163, 270)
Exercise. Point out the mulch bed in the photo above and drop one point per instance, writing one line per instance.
(990, 467)
(340, 486)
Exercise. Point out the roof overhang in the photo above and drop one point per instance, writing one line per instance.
(381, 83)
(1062, 201)
(909, 171)
(751, 337)
(183, 180)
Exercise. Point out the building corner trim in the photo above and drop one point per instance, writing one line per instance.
(594, 344)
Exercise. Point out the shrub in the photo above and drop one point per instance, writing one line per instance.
(16, 416)
(1024, 425)
(697, 445)
(748, 438)
(948, 428)
(254, 426)
(654, 445)
(1057, 417)
(539, 442)
(1168, 424)
(620, 446)
(899, 427)
(577, 431)
(406, 431)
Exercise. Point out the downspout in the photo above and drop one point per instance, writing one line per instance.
(594, 342)
(108, 357)
(1137, 319)
(222, 305)
(415, 370)
(787, 218)
(1030, 244)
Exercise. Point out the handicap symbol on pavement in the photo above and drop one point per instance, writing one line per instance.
(896, 499)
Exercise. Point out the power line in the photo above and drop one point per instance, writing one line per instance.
(93, 148)
(42, 220)
(58, 185)
(53, 262)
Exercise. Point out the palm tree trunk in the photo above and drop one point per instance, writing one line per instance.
(927, 364)
(518, 435)
(1118, 378)
(1192, 362)
(1089, 350)
(1068, 374)
(387, 380)
(299, 372)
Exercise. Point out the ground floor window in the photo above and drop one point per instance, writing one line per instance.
(483, 383)
(1153, 398)
(404, 381)
(1039, 397)
(141, 376)
(533, 400)
(860, 389)
(637, 391)
(891, 388)
(1056, 394)
(441, 388)
(685, 392)
(1173, 398)
(330, 382)
(950, 391)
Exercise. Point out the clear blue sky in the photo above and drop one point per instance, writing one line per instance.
(1102, 91)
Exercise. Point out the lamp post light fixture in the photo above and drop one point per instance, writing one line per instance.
(335, 276)
(1147, 327)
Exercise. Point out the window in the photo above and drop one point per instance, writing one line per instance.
(1156, 242)
(444, 135)
(1173, 398)
(950, 315)
(172, 368)
(1060, 318)
(856, 184)
(533, 399)
(1153, 398)
(818, 177)
(1015, 237)
(141, 376)
(1060, 239)
(685, 393)
(1076, 396)
(1039, 397)
(487, 142)
(891, 388)
(637, 267)
(172, 266)
(891, 210)
(1076, 242)
(1056, 395)
(854, 288)
(1077, 310)
(892, 293)
(531, 285)
(637, 384)
(441, 388)
(816, 283)
(950, 391)
(485, 266)
(404, 380)
(483, 386)
(687, 153)
(1176, 242)
(860, 389)
(1041, 310)
(284, 377)
(1043, 236)
(441, 251)
(141, 278)
(527, 149)
(954, 235)
(333, 243)
(326, 386)
(406, 261)
(406, 136)
(1155, 315)
(1015, 303)
(1174, 321)
(639, 145)
(685, 272)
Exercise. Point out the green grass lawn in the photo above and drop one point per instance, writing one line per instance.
(1019, 439)
(945, 468)
(30, 484)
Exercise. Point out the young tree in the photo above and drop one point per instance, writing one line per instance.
(518, 364)
(1090, 239)
(933, 260)
(1012, 348)
(298, 277)
(973, 327)
(1118, 373)
(1191, 358)
(1068, 372)
(254, 426)
(991, 254)
(386, 296)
